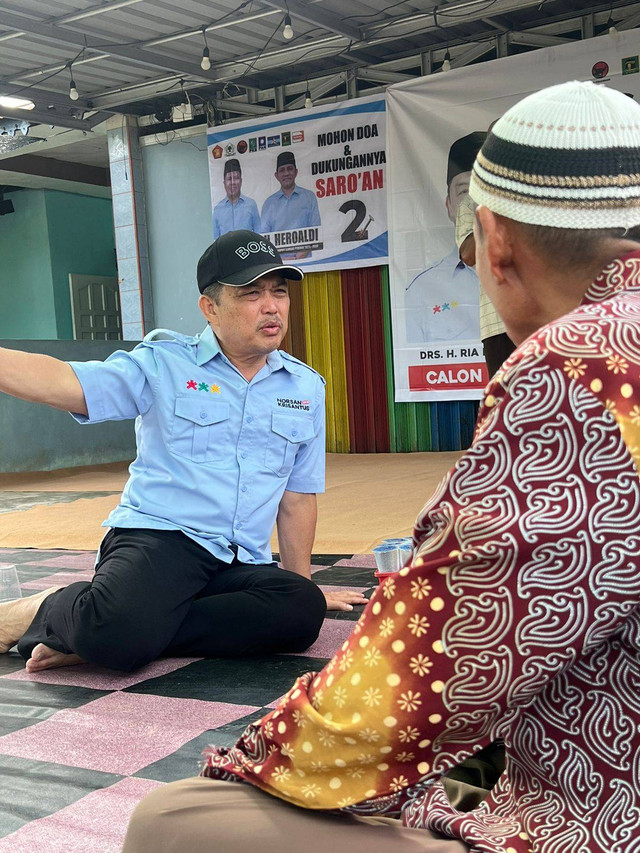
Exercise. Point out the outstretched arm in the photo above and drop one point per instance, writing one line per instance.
(41, 379)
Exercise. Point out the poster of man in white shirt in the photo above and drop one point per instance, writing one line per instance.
(442, 301)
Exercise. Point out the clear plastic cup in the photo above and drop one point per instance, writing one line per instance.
(387, 558)
(9, 582)
(405, 552)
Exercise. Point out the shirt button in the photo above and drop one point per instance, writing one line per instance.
(249, 418)
(243, 489)
(244, 454)
(238, 525)
(294, 432)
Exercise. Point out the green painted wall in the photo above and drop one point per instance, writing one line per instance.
(176, 179)
(26, 284)
(50, 235)
(82, 241)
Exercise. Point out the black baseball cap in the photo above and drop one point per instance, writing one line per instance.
(240, 257)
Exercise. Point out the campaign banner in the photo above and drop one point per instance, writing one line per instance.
(436, 125)
(312, 180)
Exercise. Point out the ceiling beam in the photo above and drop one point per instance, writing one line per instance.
(537, 39)
(379, 75)
(49, 69)
(234, 105)
(42, 98)
(629, 22)
(471, 53)
(53, 118)
(412, 24)
(318, 89)
(91, 12)
(329, 46)
(60, 35)
(314, 14)
(492, 22)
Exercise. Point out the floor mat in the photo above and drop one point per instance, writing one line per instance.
(368, 497)
(81, 746)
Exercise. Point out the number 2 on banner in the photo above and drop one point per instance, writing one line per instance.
(353, 231)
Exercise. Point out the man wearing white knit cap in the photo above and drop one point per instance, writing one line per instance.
(518, 619)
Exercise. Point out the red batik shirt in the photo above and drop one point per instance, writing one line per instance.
(517, 619)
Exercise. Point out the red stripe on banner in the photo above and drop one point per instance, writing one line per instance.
(448, 377)
(365, 357)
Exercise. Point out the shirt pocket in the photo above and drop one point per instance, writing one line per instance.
(201, 429)
(288, 431)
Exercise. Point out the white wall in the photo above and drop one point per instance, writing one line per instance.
(179, 227)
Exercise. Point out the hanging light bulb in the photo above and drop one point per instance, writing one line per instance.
(287, 31)
(446, 65)
(613, 32)
(73, 92)
(308, 103)
(205, 62)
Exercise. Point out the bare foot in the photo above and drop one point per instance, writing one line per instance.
(42, 657)
(17, 615)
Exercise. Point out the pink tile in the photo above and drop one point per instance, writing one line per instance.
(121, 732)
(325, 587)
(362, 561)
(59, 579)
(71, 560)
(97, 822)
(332, 635)
(99, 678)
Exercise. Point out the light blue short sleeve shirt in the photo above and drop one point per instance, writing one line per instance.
(232, 217)
(442, 303)
(215, 452)
(282, 213)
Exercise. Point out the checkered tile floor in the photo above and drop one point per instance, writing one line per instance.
(79, 747)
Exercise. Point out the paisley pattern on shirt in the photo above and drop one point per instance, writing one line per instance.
(518, 619)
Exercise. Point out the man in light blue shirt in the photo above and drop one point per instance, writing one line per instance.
(230, 439)
(236, 211)
(291, 207)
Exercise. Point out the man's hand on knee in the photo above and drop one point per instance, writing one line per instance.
(343, 599)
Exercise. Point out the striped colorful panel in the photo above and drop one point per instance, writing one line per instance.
(366, 365)
(324, 337)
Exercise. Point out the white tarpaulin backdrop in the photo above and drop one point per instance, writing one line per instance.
(340, 156)
(437, 352)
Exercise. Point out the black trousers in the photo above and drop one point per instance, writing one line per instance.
(157, 592)
(497, 350)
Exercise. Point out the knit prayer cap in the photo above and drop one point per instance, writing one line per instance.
(567, 157)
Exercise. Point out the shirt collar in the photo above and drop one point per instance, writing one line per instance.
(228, 200)
(294, 192)
(621, 274)
(208, 348)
